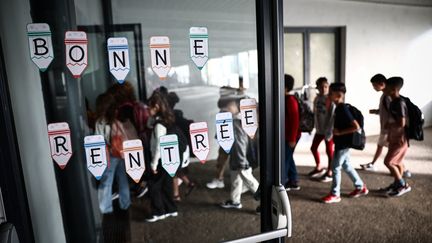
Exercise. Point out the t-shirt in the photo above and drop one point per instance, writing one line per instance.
(384, 113)
(343, 120)
(292, 119)
(324, 115)
(396, 133)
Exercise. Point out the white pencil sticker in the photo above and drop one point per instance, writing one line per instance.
(134, 159)
(248, 109)
(160, 55)
(200, 140)
(169, 149)
(225, 130)
(76, 52)
(40, 44)
(60, 143)
(198, 39)
(96, 156)
(118, 55)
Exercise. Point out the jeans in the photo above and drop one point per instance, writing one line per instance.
(289, 168)
(117, 170)
(241, 181)
(341, 159)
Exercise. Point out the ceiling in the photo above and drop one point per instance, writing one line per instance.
(419, 3)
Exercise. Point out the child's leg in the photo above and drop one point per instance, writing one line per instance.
(290, 164)
(105, 188)
(393, 160)
(155, 192)
(221, 163)
(167, 193)
(249, 180)
(176, 190)
(236, 186)
(352, 173)
(314, 149)
(123, 184)
(336, 169)
(330, 152)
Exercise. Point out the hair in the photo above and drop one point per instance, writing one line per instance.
(122, 93)
(126, 112)
(338, 87)
(396, 82)
(105, 107)
(321, 80)
(378, 78)
(173, 99)
(165, 112)
(289, 82)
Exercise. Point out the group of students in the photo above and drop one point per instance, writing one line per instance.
(335, 123)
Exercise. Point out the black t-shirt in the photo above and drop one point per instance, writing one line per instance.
(398, 108)
(343, 120)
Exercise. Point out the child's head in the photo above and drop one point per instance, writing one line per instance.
(322, 85)
(392, 86)
(233, 107)
(105, 106)
(158, 106)
(126, 112)
(289, 83)
(337, 92)
(378, 82)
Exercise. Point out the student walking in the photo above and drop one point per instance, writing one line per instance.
(324, 119)
(344, 126)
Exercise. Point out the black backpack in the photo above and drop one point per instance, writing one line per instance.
(415, 120)
(183, 124)
(183, 142)
(358, 140)
(307, 120)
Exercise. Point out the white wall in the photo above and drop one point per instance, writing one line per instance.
(31, 127)
(391, 39)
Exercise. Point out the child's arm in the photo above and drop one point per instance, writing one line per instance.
(353, 128)
(402, 121)
(159, 131)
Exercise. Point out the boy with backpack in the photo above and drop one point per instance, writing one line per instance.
(397, 137)
(343, 135)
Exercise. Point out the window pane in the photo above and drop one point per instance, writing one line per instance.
(322, 56)
(293, 57)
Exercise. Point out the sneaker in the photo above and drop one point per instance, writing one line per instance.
(173, 214)
(389, 188)
(368, 167)
(155, 218)
(326, 178)
(316, 173)
(215, 183)
(115, 196)
(142, 190)
(359, 192)
(400, 190)
(231, 204)
(292, 186)
(330, 198)
(407, 174)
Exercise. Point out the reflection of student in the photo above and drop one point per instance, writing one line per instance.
(105, 108)
(240, 168)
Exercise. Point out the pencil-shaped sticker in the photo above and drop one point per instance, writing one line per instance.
(118, 55)
(60, 143)
(169, 149)
(248, 109)
(225, 130)
(40, 44)
(96, 156)
(160, 55)
(76, 52)
(134, 159)
(198, 38)
(200, 140)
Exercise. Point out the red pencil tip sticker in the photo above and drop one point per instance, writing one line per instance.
(76, 52)
(200, 140)
(60, 143)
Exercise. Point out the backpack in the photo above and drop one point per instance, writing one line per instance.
(358, 140)
(121, 132)
(307, 120)
(182, 140)
(415, 120)
(183, 124)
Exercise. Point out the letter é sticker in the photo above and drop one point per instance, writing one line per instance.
(96, 155)
(200, 140)
(248, 109)
(134, 159)
(160, 55)
(225, 130)
(118, 55)
(60, 143)
(76, 52)
(198, 39)
(40, 44)
(169, 149)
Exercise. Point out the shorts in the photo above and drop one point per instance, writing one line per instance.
(382, 140)
(396, 153)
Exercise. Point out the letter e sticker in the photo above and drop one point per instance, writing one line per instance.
(118, 55)
(198, 39)
(200, 140)
(160, 55)
(60, 143)
(134, 159)
(248, 109)
(40, 44)
(76, 52)
(96, 155)
(225, 130)
(169, 149)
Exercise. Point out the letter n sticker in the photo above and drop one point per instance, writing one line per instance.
(134, 159)
(160, 56)
(118, 56)
(169, 150)
(60, 143)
